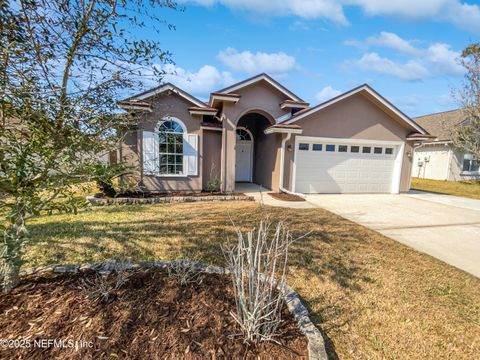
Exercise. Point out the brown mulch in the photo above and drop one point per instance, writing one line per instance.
(150, 317)
(286, 197)
(174, 193)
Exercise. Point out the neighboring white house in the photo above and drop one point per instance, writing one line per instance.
(439, 159)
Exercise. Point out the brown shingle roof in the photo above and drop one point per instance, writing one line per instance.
(194, 108)
(441, 124)
(285, 126)
(227, 95)
(134, 102)
(293, 102)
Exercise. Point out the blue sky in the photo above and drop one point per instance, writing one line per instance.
(405, 49)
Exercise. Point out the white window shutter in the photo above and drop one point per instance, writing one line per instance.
(190, 154)
(150, 153)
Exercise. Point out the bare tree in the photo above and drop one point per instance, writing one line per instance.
(63, 66)
(185, 271)
(259, 263)
(466, 135)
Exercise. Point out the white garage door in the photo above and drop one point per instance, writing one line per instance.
(330, 166)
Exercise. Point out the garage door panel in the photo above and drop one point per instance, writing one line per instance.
(343, 172)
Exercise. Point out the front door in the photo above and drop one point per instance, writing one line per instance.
(243, 161)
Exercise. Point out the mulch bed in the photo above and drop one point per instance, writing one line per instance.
(150, 317)
(142, 195)
(286, 197)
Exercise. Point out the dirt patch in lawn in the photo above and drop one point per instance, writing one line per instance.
(150, 317)
(286, 197)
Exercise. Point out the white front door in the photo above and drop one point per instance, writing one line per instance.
(243, 161)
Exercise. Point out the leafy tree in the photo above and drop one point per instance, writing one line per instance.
(467, 135)
(63, 66)
(104, 176)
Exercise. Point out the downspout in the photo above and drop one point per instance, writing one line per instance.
(449, 162)
(282, 165)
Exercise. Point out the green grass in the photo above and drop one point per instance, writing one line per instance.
(469, 189)
(372, 297)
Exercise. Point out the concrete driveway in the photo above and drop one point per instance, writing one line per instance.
(446, 227)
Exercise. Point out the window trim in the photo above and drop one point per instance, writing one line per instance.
(334, 148)
(184, 134)
(470, 158)
(247, 131)
(307, 149)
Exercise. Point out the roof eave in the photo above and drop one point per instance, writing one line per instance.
(229, 98)
(164, 88)
(200, 111)
(135, 108)
(272, 130)
(294, 105)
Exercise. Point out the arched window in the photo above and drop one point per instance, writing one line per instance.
(171, 148)
(243, 135)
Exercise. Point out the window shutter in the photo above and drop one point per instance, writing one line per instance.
(150, 153)
(190, 154)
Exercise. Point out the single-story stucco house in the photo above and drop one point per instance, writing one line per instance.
(259, 131)
(439, 159)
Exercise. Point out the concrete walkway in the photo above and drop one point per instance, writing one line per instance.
(443, 226)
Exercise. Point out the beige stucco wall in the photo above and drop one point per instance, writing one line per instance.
(437, 166)
(131, 150)
(259, 98)
(446, 163)
(354, 118)
(212, 145)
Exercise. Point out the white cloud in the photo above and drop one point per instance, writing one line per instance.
(410, 70)
(327, 93)
(253, 63)
(459, 13)
(456, 12)
(200, 83)
(393, 41)
(442, 59)
(307, 9)
(438, 59)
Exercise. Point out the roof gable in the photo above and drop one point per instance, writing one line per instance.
(376, 98)
(168, 87)
(257, 78)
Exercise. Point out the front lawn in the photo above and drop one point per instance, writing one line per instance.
(371, 296)
(469, 189)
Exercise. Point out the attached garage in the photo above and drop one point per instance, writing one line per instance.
(332, 165)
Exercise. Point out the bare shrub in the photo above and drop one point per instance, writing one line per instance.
(185, 271)
(258, 263)
(105, 283)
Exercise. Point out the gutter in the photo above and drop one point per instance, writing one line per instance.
(282, 163)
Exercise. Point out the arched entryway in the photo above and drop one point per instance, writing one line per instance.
(252, 163)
